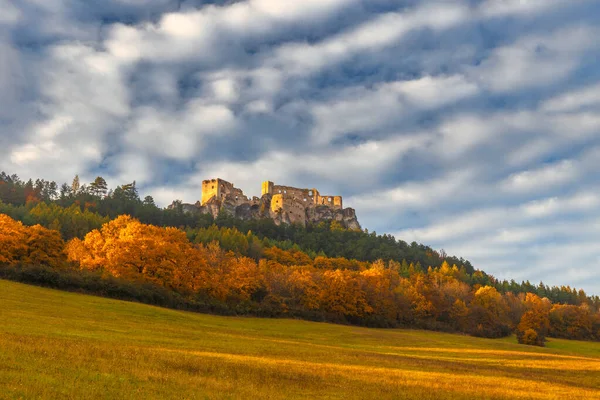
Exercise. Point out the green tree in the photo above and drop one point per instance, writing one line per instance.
(99, 187)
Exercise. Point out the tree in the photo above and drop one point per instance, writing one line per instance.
(341, 294)
(535, 323)
(44, 247)
(126, 248)
(12, 240)
(99, 187)
(34, 245)
(75, 186)
(574, 322)
(488, 313)
(149, 201)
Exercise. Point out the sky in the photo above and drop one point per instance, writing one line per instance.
(471, 126)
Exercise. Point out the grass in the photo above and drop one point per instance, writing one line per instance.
(59, 345)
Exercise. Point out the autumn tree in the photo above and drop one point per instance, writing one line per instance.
(535, 323)
(379, 284)
(304, 289)
(44, 247)
(341, 294)
(34, 245)
(13, 245)
(574, 322)
(488, 313)
(129, 249)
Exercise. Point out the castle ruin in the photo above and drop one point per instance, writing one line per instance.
(283, 204)
(220, 189)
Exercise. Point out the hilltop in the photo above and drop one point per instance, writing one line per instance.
(282, 204)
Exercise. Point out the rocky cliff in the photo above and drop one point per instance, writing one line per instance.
(262, 209)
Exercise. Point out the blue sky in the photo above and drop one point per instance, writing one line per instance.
(469, 125)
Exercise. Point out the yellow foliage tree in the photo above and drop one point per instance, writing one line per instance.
(342, 295)
(534, 324)
(34, 245)
(488, 313)
(304, 289)
(45, 247)
(129, 249)
(12, 240)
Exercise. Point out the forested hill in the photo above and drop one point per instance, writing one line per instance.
(78, 208)
(85, 237)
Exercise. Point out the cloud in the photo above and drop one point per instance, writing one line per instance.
(12, 79)
(177, 135)
(213, 34)
(415, 195)
(577, 100)
(468, 125)
(359, 109)
(81, 100)
(376, 34)
(503, 8)
(10, 14)
(536, 60)
(548, 235)
(542, 178)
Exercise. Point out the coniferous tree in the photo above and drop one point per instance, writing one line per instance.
(75, 185)
(99, 188)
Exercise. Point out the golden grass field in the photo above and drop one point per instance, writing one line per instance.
(58, 345)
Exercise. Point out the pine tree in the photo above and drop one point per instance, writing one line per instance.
(75, 186)
(99, 187)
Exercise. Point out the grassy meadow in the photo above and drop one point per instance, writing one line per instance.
(59, 345)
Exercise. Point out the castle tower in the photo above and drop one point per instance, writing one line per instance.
(337, 202)
(267, 188)
(210, 188)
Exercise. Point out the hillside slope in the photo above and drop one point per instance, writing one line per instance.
(64, 345)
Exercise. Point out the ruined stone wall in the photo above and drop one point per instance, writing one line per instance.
(334, 202)
(267, 188)
(284, 204)
(276, 203)
(337, 203)
(223, 191)
(289, 208)
(311, 197)
(293, 192)
(210, 189)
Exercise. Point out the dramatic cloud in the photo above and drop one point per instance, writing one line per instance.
(469, 125)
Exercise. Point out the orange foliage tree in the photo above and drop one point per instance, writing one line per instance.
(574, 322)
(129, 249)
(341, 294)
(34, 245)
(488, 313)
(12, 240)
(535, 323)
(45, 247)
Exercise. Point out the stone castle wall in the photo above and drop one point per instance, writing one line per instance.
(310, 197)
(221, 190)
(281, 203)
